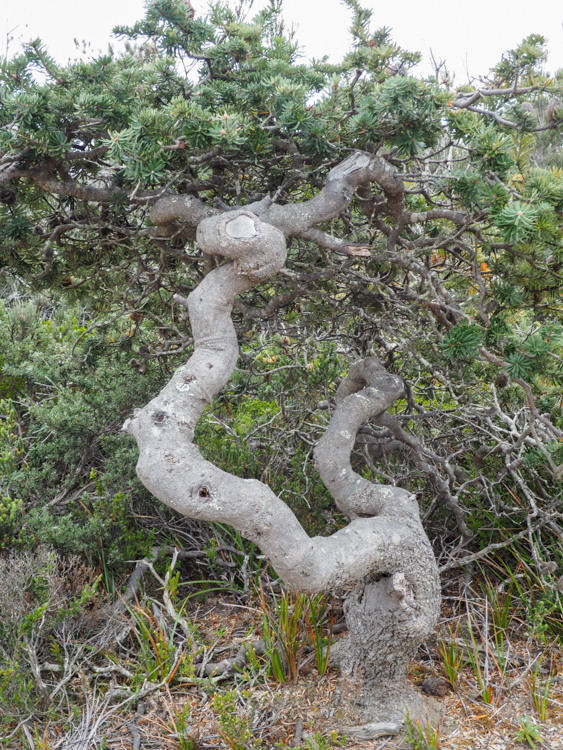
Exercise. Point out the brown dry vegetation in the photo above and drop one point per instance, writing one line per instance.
(107, 699)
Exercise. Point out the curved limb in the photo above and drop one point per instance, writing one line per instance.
(384, 550)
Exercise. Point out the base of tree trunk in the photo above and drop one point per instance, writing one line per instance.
(389, 702)
(386, 626)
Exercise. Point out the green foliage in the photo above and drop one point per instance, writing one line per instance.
(459, 293)
(290, 624)
(492, 149)
(11, 533)
(235, 726)
(183, 731)
(547, 184)
(73, 410)
(284, 631)
(518, 365)
(10, 442)
(462, 341)
(524, 60)
(157, 657)
(453, 659)
(11, 449)
(529, 731)
(508, 295)
(517, 220)
(317, 620)
(540, 690)
(422, 736)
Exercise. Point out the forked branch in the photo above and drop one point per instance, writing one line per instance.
(385, 520)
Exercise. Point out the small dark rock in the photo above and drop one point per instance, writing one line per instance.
(435, 686)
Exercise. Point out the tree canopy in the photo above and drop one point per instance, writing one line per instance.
(451, 268)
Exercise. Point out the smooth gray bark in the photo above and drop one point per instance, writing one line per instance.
(383, 552)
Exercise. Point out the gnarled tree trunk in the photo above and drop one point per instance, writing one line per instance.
(394, 607)
(384, 550)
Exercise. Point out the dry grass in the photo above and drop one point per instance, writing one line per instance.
(468, 722)
(175, 715)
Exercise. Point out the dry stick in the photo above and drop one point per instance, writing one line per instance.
(22, 723)
(28, 736)
(35, 669)
(227, 666)
(145, 564)
(493, 359)
(391, 422)
(298, 732)
(136, 736)
(524, 673)
(534, 409)
(487, 550)
(114, 668)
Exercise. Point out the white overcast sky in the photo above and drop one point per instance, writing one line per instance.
(470, 36)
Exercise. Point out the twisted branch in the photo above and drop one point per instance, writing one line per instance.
(385, 536)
